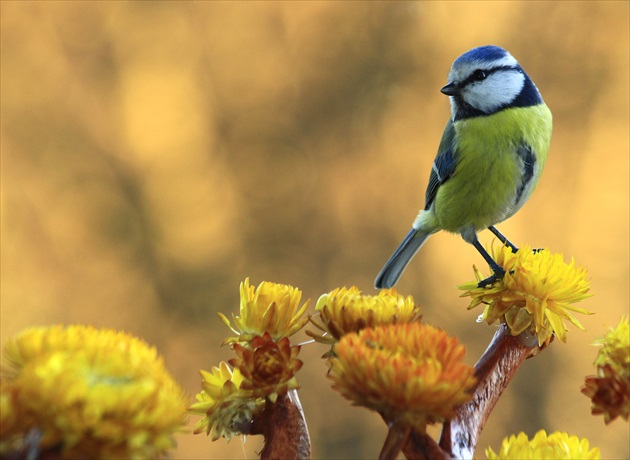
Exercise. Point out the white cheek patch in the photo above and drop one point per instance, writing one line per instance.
(499, 89)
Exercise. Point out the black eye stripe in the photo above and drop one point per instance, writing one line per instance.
(476, 75)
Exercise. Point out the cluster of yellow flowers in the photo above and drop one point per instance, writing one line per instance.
(87, 393)
(382, 358)
(266, 362)
(385, 359)
(609, 390)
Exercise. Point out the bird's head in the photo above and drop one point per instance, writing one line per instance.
(486, 80)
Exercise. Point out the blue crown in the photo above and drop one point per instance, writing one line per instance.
(486, 53)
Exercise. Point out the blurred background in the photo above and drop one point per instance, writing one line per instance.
(154, 154)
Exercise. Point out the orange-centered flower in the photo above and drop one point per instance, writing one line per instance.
(268, 368)
(346, 310)
(272, 308)
(97, 393)
(536, 294)
(555, 446)
(411, 373)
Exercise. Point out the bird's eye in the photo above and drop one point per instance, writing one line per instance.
(479, 75)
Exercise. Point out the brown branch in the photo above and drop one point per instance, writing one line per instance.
(421, 446)
(396, 437)
(494, 370)
(285, 430)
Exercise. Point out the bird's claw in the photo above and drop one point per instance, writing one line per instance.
(498, 274)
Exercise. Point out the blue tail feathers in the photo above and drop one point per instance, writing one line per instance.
(397, 263)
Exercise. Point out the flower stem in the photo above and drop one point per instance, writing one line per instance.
(396, 437)
(285, 430)
(494, 370)
(421, 446)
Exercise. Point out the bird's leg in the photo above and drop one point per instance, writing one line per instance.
(507, 242)
(502, 238)
(497, 271)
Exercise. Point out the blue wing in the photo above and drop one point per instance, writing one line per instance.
(443, 165)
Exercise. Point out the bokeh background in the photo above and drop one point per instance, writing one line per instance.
(154, 154)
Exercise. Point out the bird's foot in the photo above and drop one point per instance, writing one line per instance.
(497, 274)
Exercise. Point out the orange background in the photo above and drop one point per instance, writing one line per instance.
(154, 154)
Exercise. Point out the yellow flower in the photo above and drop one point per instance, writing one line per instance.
(271, 307)
(615, 349)
(557, 446)
(97, 393)
(227, 409)
(536, 294)
(268, 368)
(346, 310)
(411, 373)
(610, 389)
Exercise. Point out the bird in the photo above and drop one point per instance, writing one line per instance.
(489, 160)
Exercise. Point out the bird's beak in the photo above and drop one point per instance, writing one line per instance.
(451, 89)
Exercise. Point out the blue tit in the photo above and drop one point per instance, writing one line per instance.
(489, 160)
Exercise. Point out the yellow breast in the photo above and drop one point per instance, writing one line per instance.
(482, 190)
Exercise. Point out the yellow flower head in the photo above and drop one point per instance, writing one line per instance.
(536, 294)
(268, 368)
(227, 409)
(557, 446)
(271, 307)
(610, 389)
(347, 310)
(411, 373)
(97, 393)
(615, 349)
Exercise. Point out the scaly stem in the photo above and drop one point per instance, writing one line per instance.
(285, 430)
(494, 370)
